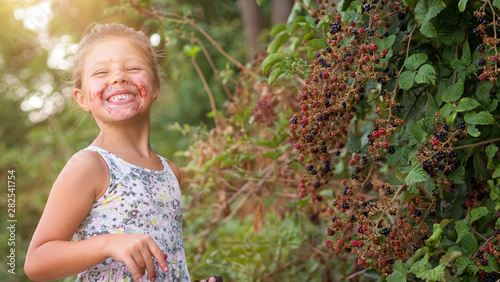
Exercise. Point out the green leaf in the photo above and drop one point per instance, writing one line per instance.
(479, 118)
(353, 143)
(435, 274)
(468, 244)
(316, 44)
(477, 213)
(479, 165)
(424, 12)
(406, 80)
(491, 151)
(277, 29)
(466, 56)
(308, 36)
(446, 112)
(399, 273)
(462, 228)
(418, 253)
(417, 173)
(473, 131)
(345, 5)
(467, 104)
(386, 42)
(449, 257)
(426, 74)
(415, 60)
(492, 264)
(451, 35)
(453, 92)
(191, 50)
(462, 4)
(458, 65)
(437, 233)
(457, 175)
(483, 92)
(496, 3)
(494, 191)
(420, 266)
(275, 74)
(461, 263)
(270, 61)
(493, 105)
(417, 131)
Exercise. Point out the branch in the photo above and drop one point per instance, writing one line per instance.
(477, 144)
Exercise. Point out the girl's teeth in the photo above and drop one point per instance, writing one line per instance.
(120, 98)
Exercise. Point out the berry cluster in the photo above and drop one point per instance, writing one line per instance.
(441, 155)
(489, 42)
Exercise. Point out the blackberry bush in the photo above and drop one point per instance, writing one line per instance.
(398, 108)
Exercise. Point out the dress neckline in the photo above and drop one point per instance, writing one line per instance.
(164, 163)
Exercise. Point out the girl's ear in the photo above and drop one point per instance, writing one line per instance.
(80, 99)
(156, 91)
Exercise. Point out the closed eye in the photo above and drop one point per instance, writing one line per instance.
(100, 72)
(133, 69)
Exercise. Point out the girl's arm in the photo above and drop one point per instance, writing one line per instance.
(52, 255)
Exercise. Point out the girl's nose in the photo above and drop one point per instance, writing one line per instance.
(118, 77)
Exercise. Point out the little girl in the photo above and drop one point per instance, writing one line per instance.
(118, 199)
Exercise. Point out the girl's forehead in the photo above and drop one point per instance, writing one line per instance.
(113, 50)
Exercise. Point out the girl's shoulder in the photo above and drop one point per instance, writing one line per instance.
(87, 167)
(175, 169)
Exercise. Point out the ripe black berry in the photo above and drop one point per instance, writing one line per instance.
(483, 261)
(461, 125)
(331, 232)
(391, 149)
(401, 16)
(481, 62)
(324, 149)
(328, 49)
(218, 278)
(391, 74)
(322, 62)
(345, 205)
(385, 231)
(309, 138)
(480, 48)
(489, 277)
(316, 21)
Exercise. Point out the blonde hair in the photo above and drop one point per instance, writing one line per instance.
(102, 32)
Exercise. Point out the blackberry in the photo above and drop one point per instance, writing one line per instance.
(370, 32)
(391, 74)
(331, 232)
(345, 205)
(441, 167)
(317, 55)
(294, 120)
(354, 32)
(417, 213)
(385, 231)
(439, 155)
(335, 28)
(370, 52)
(376, 61)
(309, 138)
(481, 62)
(480, 48)
(365, 26)
(316, 21)
(489, 277)
(353, 218)
(452, 154)
(327, 103)
(483, 20)
(483, 261)
(313, 172)
(344, 190)
(391, 150)
(316, 184)
(399, 107)
(322, 62)
(401, 16)
(461, 125)
(309, 167)
(333, 218)
(344, 104)
(446, 127)
(328, 49)
(328, 94)
(323, 149)
(390, 261)
(376, 159)
(368, 184)
(476, 31)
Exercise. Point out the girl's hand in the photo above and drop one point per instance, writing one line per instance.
(136, 252)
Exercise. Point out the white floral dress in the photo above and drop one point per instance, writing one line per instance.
(138, 201)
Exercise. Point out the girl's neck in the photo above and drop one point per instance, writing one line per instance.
(131, 139)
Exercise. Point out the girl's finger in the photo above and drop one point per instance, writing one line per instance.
(133, 268)
(149, 264)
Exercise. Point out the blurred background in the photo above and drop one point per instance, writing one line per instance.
(41, 125)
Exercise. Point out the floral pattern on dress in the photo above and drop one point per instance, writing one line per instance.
(137, 201)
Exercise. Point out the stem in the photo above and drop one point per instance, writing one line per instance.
(207, 88)
(477, 144)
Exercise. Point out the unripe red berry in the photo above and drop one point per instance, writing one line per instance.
(386, 144)
(349, 59)
(375, 134)
(297, 146)
(293, 126)
(374, 47)
(381, 131)
(363, 49)
(385, 51)
(352, 75)
(376, 17)
(352, 163)
(482, 77)
(304, 121)
(305, 107)
(361, 30)
(435, 141)
(366, 58)
(300, 159)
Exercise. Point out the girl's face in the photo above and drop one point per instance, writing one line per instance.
(117, 82)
